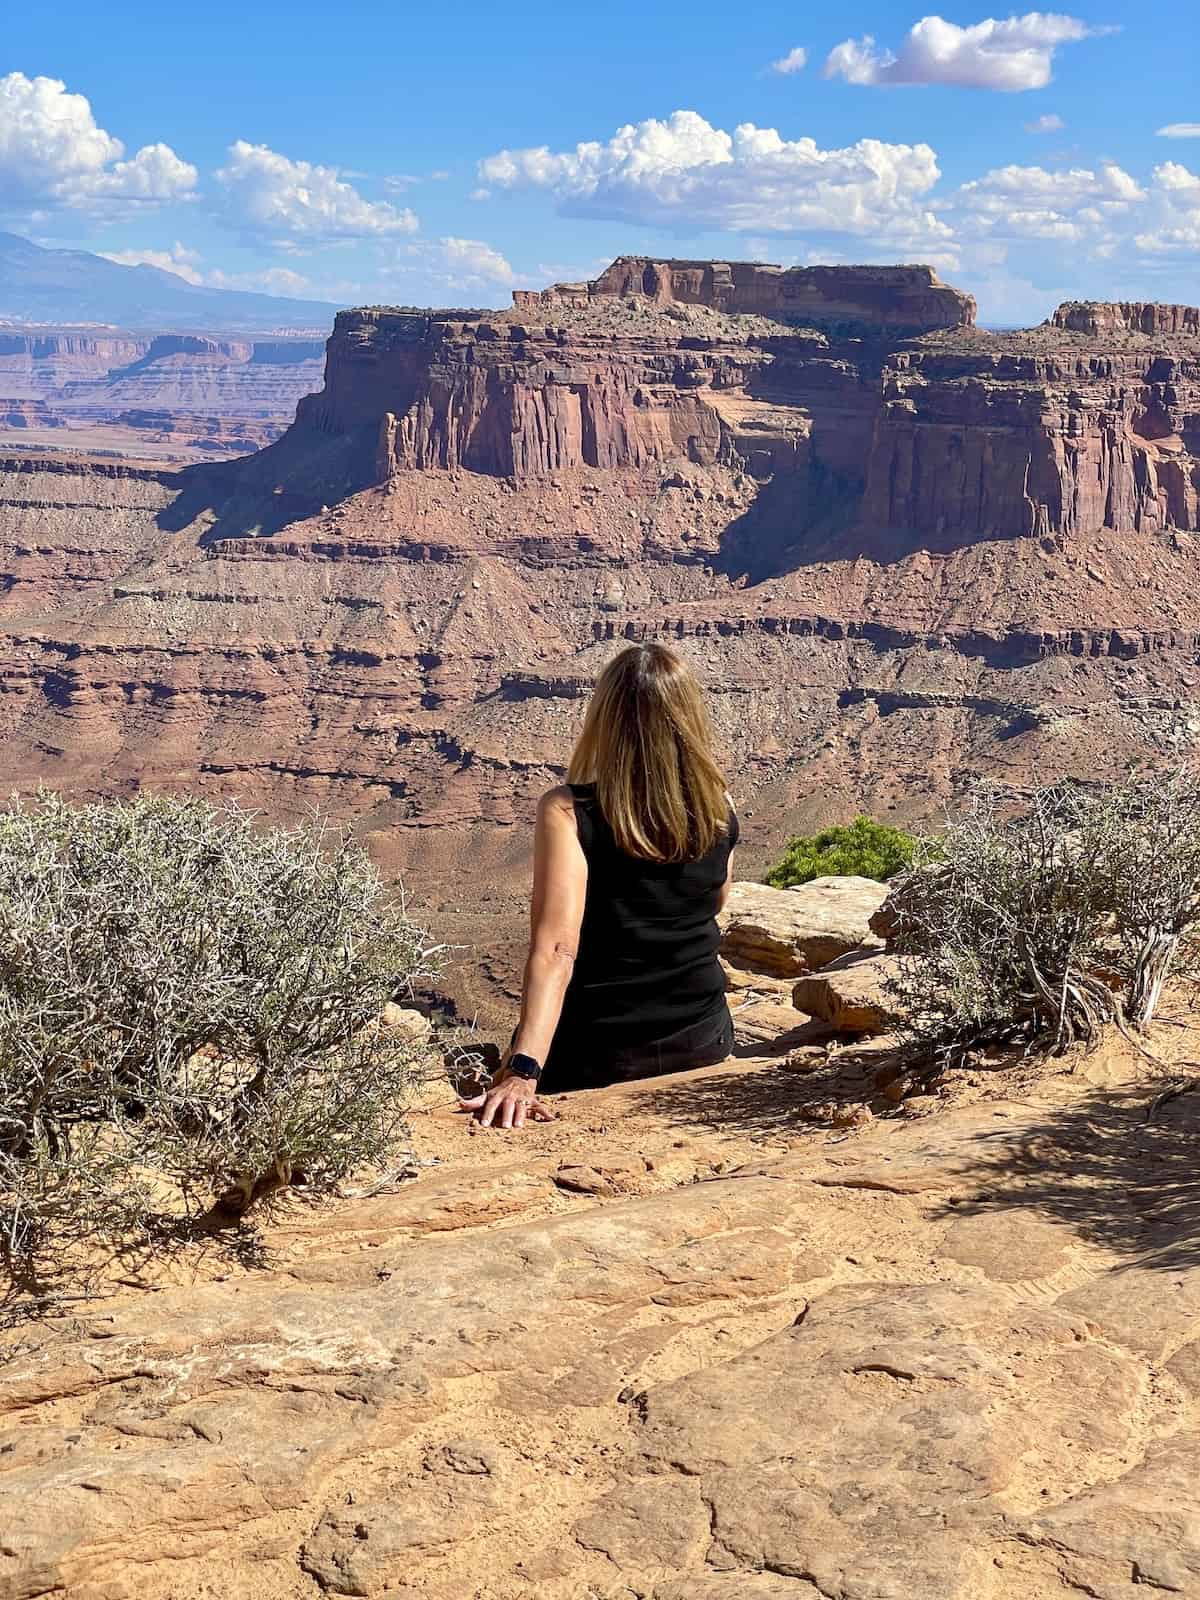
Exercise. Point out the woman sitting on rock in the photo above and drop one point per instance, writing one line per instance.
(631, 863)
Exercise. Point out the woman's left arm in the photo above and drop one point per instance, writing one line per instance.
(559, 891)
(735, 834)
(723, 894)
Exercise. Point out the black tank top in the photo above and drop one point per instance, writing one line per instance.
(647, 961)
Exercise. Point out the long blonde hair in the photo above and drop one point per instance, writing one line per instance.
(647, 746)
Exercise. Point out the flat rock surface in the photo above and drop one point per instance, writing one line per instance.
(786, 932)
(678, 1344)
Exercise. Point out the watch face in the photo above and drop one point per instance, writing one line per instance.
(525, 1067)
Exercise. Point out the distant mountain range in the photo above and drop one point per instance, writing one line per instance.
(74, 286)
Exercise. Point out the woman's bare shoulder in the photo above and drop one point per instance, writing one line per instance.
(557, 803)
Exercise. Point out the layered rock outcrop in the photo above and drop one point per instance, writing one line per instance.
(955, 436)
(28, 414)
(70, 350)
(1033, 441)
(1095, 317)
(912, 298)
(499, 398)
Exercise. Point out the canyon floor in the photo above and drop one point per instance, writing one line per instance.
(684, 1343)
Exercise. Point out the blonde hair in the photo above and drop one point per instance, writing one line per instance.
(647, 746)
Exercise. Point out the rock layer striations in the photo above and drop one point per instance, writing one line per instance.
(184, 395)
(913, 298)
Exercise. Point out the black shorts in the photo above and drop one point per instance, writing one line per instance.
(572, 1064)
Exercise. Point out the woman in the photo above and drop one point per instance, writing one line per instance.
(632, 862)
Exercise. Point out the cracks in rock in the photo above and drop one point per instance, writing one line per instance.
(715, 1542)
(81, 1391)
(776, 1570)
(1052, 1547)
(800, 1577)
(1138, 1577)
(887, 1369)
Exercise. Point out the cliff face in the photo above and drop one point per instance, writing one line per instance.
(514, 401)
(880, 297)
(1024, 441)
(33, 365)
(28, 414)
(1127, 316)
(38, 346)
(953, 435)
(897, 559)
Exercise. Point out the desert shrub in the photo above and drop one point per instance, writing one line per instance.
(189, 1009)
(1044, 926)
(865, 849)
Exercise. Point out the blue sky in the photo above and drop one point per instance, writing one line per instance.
(445, 156)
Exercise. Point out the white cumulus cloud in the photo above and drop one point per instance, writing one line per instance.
(282, 280)
(453, 263)
(794, 61)
(1180, 130)
(270, 196)
(154, 175)
(685, 174)
(1071, 205)
(471, 260)
(179, 260)
(54, 154)
(1014, 54)
(1050, 123)
(187, 264)
(270, 280)
(1172, 220)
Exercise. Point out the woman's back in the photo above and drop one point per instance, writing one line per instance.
(647, 959)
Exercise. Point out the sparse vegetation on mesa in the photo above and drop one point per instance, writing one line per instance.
(1045, 926)
(865, 849)
(189, 1012)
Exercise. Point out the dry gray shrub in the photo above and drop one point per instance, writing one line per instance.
(189, 1010)
(1043, 926)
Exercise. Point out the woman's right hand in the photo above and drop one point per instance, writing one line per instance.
(509, 1103)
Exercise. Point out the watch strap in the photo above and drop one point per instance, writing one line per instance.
(522, 1066)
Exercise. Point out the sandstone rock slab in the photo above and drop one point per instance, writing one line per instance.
(648, 1524)
(267, 1390)
(787, 932)
(851, 994)
(1151, 1305)
(736, 1390)
(1008, 1245)
(870, 1449)
(1137, 1535)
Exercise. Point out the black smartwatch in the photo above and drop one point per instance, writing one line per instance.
(524, 1067)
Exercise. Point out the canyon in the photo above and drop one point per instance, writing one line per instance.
(902, 551)
(176, 397)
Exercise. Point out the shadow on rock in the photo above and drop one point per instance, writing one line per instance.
(209, 1243)
(1119, 1179)
(256, 496)
(774, 1100)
